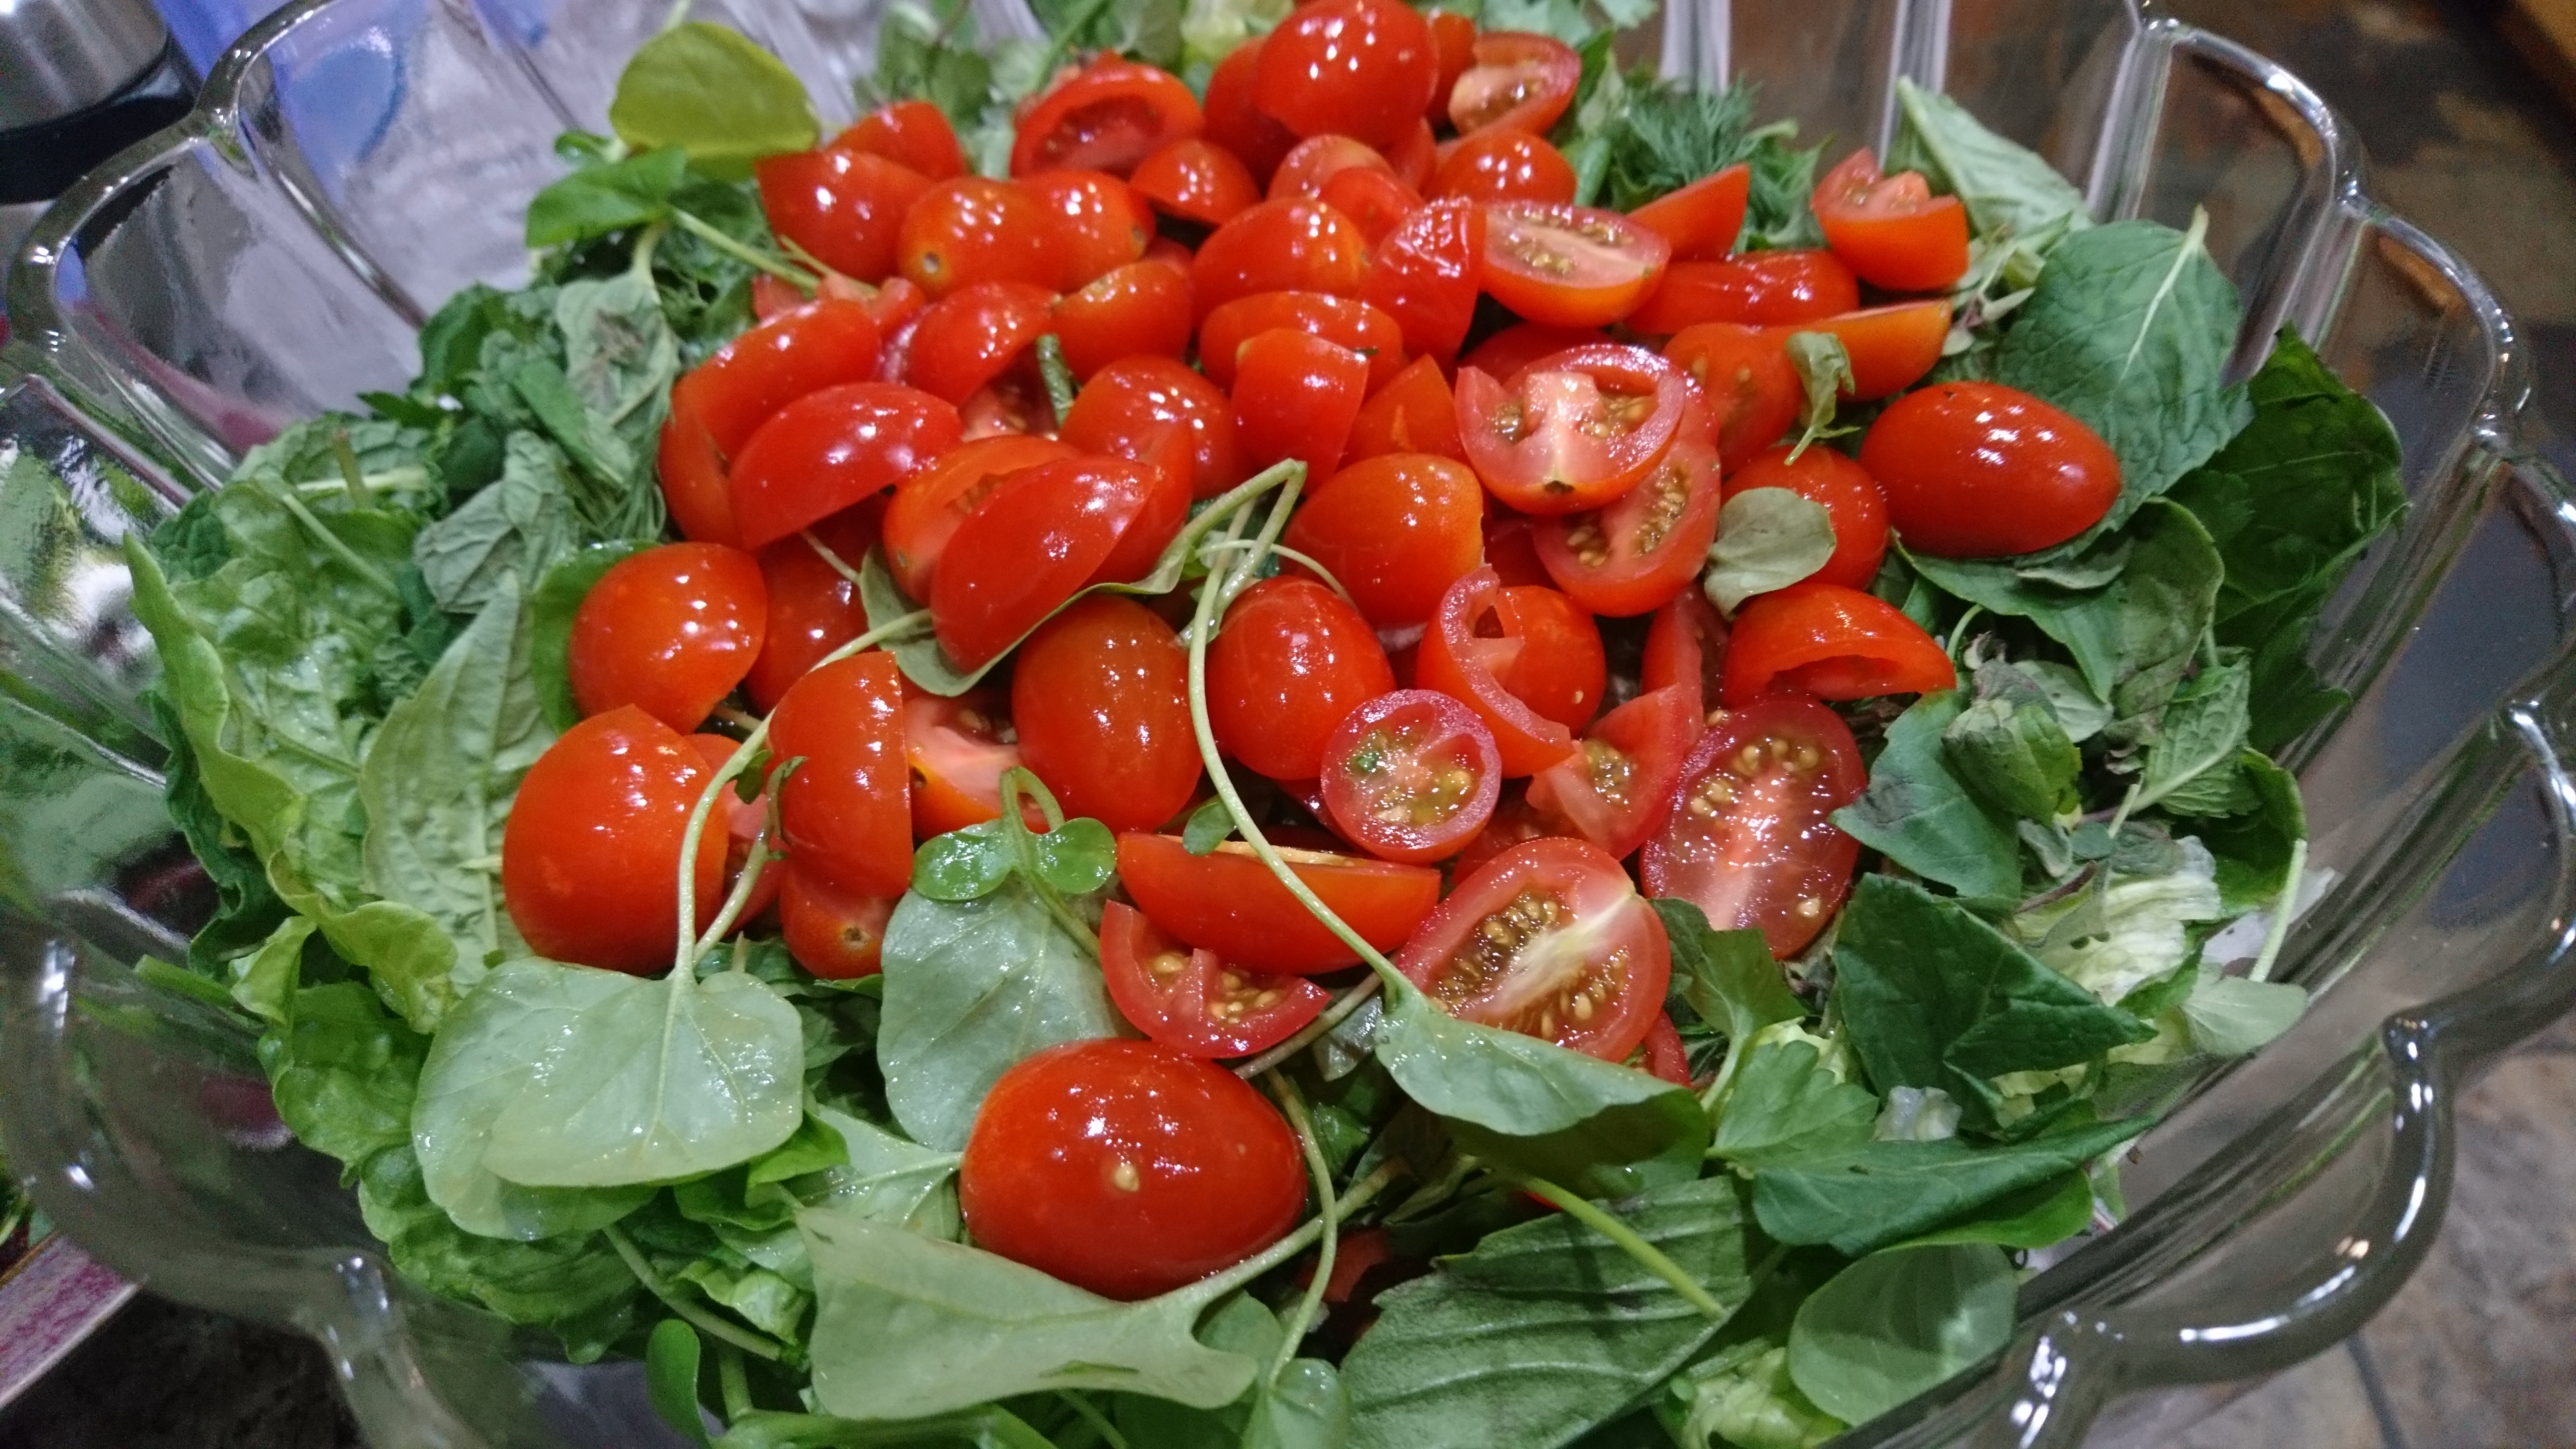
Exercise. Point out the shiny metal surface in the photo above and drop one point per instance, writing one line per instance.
(61, 56)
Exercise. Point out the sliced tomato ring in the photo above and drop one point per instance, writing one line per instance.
(1701, 219)
(1832, 642)
(1686, 644)
(1648, 544)
(1572, 431)
(1750, 839)
(1191, 1001)
(1574, 266)
(1891, 229)
(1411, 776)
(1228, 902)
(1891, 348)
(1107, 116)
(1462, 661)
(957, 750)
(1618, 787)
(927, 507)
(1552, 940)
(1515, 81)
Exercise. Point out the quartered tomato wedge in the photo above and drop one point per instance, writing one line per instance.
(1105, 117)
(1759, 289)
(1745, 376)
(1354, 325)
(1228, 902)
(1618, 786)
(845, 811)
(670, 630)
(831, 933)
(1891, 229)
(1042, 535)
(1293, 660)
(927, 507)
(1471, 654)
(1891, 348)
(1196, 180)
(1415, 157)
(1644, 546)
(830, 449)
(1664, 1056)
(1701, 220)
(1426, 274)
(1415, 412)
(1831, 642)
(1192, 1001)
(1297, 395)
(1140, 310)
(1100, 694)
(1574, 266)
(1750, 839)
(846, 208)
(1514, 81)
(814, 608)
(1686, 644)
(1395, 531)
(1504, 165)
(1549, 939)
(910, 133)
(1849, 496)
(1573, 431)
(956, 750)
(1411, 776)
(1453, 39)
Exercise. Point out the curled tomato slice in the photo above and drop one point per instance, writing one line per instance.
(1573, 431)
(1462, 661)
(1192, 1002)
(1832, 642)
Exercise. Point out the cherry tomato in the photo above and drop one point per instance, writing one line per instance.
(971, 230)
(1294, 658)
(772, 298)
(1507, 353)
(1411, 776)
(717, 405)
(1574, 266)
(1892, 230)
(957, 750)
(1235, 123)
(1849, 496)
(1427, 272)
(1685, 644)
(1355, 326)
(845, 207)
(1644, 546)
(1102, 222)
(1364, 68)
(1478, 669)
(1191, 1001)
(1127, 406)
(1014, 403)
(1228, 902)
(1296, 396)
(1414, 413)
(895, 303)
(1453, 39)
(1573, 431)
(741, 821)
(1316, 160)
(1396, 530)
(814, 608)
(926, 507)
(1196, 180)
(1891, 348)
(1127, 1168)
(1141, 309)
(845, 811)
(1415, 157)
(1377, 202)
(973, 334)
(1518, 82)
(1551, 940)
(1976, 469)
(1101, 697)
(1759, 289)
(590, 854)
(830, 449)
(1701, 220)
(1618, 787)
(1746, 377)
(1831, 642)
(1045, 533)
(1665, 1058)
(1750, 839)
(670, 630)
(909, 133)
(1107, 116)
(1280, 246)
(1505, 165)
(831, 933)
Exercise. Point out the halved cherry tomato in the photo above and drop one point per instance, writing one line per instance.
(1395, 530)
(1686, 644)
(1415, 157)
(845, 811)
(1318, 159)
(1751, 839)
(1414, 413)
(830, 449)
(974, 334)
(1549, 939)
(670, 630)
(814, 608)
(1504, 165)
(1280, 246)
(1043, 534)
(1101, 697)
(1411, 776)
(1644, 546)
(1141, 309)
(1228, 902)
(1296, 396)
(1831, 642)
(1356, 326)
(1758, 289)
(1127, 406)
(1196, 180)
(1014, 403)
(909, 133)
(1103, 222)
(1849, 496)
(1892, 347)
(1618, 786)
(972, 229)
(1192, 1002)
(1293, 660)
(742, 821)
(926, 508)
(1460, 659)
(1560, 671)
(1453, 39)
(590, 854)
(831, 933)
(1363, 68)
(1574, 266)
(895, 303)
(1518, 81)
(1377, 202)
(1701, 220)
(1426, 275)
(717, 405)
(1235, 123)
(1746, 377)
(1572, 431)
(845, 207)
(1891, 229)
(1107, 116)
(1977, 469)
(1507, 353)
(1128, 1169)
(956, 750)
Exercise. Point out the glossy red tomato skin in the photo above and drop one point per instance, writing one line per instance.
(670, 630)
(1570, 266)
(1228, 902)
(590, 853)
(973, 334)
(914, 134)
(1744, 374)
(1395, 530)
(1471, 669)
(1620, 945)
(956, 753)
(831, 933)
(717, 405)
(1618, 787)
(926, 507)
(1686, 644)
(972, 229)
(845, 207)
(813, 607)
(1364, 68)
(1648, 544)
(742, 822)
(1101, 697)
(1561, 671)
(1390, 752)
(1139, 310)
(1666, 1059)
(1377, 202)
(1507, 353)
(691, 470)
(1415, 157)
(1758, 849)
(1891, 230)
(1426, 274)
(1504, 165)
(1041, 536)
(1235, 122)
(1196, 180)
(1316, 160)
(832, 448)
(1106, 117)
(1353, 325)
(845, 812)
(1453, 39)
(1574, 431)
(1413, 413)
(1103, 222)
(1127, 1168)
(1757, 289)
(1296, 396)
(1891, 348)
(1180, 996)
(1976, 470)
(1293, 659)
(1125, 408)
(1515, 81)
(1847, 493)
(1701, 220)
(1831, 642)
(1280, 246)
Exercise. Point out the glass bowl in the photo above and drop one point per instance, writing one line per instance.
(351, 162)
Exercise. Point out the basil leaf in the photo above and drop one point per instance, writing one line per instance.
(2007, 189)
(1785, 1105)
(671, 1379)
(1885, 1192)
(1897, 1323)
(341, 1070)
(264, 979)
(521, 525)
(551, 609)
(2016, 757)
(1767, 538)
(611, 197)
(1921, 815)
(714, 93)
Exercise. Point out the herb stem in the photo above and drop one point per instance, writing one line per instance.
(2282, 910)
(707, 1323)
(1313, 1031)
(337, 547)
(1648, 1256)
(731, 1382)
(351, 477)
(645, 242)
(1056, 374)
(1092, 1416)
(1016, 782)
(752, 257)
(1959, 630)
(1292, 1103)
(1305, 561)
(1359, 1195)
(824, 551)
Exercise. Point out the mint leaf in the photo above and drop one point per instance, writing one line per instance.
(1886, 1192)
(2016, 756)
(1922, 815)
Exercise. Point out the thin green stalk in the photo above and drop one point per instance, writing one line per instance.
(2282, 910)
(1292, 1103)
(1056, 375)
(1960, 629)
(1099, 1422)
(764, 849)
(1313, 1031)
(823, 550)
(753, 257)
(1304, 560)
(732, 1382)
(645, 243)
(707, 1323)
(1718, 1084)
(352, 477)
(1648, 1256)
(1018, 781)
(338, 548)
(1359, 1195)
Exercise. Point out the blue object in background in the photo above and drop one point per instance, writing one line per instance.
(343, 97)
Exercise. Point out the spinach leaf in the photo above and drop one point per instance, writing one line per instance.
(1768, 538)
(1727, 978)
(1920, 814)
(264, 979)
(2015, 756)
(609, 197)
(888, 1179)
(2007, 189)
(1885, 1192)
(341, 1070)
(716, 95)
(1899, 1322)
(1785, 1106)
(551, 609)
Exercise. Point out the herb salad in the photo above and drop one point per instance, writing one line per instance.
(1259, 727)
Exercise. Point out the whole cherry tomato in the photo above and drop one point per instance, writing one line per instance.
(1976, 469)
(1516, 81)
(1685, 644)
(814, 607)
(1228, 902)
(1891, 348)
(909, 133)
(1396, 531)
(844, 207)
(1758, 289)
(1831, 642)
(1364, 68)
(1892, 230)
(1427, 273)
(1750, 839)
(1190, 1000)
(1280, 246)
(1552, 940)
(1236, 123)
(742, 822)
(1141, 309)
(1505, 165)
(830, 449)
(1103, 222)
(1414, 413)
(590, 854)
(845, 812)
(1849, 496)
(1293, 660)
(957, 751)
(1573, 431)
(1411, 776)
(1196, 180)
(670, 630)
(1316, 160)
(1101, 698)
(1479, 669)
(1701, 220)
(1618, 787)
(1356, 326)
(1377, 202)
(974, 334)
(1044, 534)
(926, 507)
(1296, 396)
(972, 229)
(717, 405)
(1573, 266)
(1746, 377)
(1107, 116)
(1644, 546)
(1126, 407)
(831, 933)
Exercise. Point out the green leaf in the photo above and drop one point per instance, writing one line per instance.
(341, 1070)
(965, 864)
(1726, 977)
(2230, 1016)
(264, 980)
(931, 57)
(1744, 1398)
(551, 609)
(1897, 1323)
(1921, 815)
(2253, 848)
(619, 352)
(671, 1379)
(1777, 213)
(1671, 136)
(989, 1426)
(2016, 757)
(2007, 189)
(2202, 731)
(520, 526)
(888, 1179)
(1307, 1408)
(2039, 1216)
(574, 1284)
(1210, 826)
(610, 197)
(712, 92)
(1077, 857)
(1785, 1106)
(1508, 1083)
(2140, 926)
(1768, 538)
(1824, 369)
(1885, 1192)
